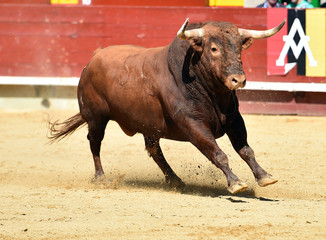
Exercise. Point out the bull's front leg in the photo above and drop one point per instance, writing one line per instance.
(203, 139)
(262, 177)
(238, 137)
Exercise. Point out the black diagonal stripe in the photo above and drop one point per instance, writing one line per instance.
(301, 61)
(292, 14)
(301, 66)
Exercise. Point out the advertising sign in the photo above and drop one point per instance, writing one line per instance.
(301, 43)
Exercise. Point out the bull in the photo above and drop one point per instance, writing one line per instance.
(185, 91)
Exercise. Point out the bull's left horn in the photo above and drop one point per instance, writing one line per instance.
(186, 35)
(261, 34)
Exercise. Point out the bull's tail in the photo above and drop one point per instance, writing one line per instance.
(60, 130)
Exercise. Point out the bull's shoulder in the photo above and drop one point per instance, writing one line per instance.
(97, 50)
(131, 49)
(114, 55)
(118, 48)
(129, 54)
(122, 49)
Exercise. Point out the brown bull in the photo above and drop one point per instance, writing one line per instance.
(184, 91)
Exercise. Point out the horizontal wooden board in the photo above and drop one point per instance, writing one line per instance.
(117, 2)
(24, 1)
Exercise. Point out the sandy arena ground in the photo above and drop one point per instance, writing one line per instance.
(47, 192)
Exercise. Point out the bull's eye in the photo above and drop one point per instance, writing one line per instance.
(214, 49)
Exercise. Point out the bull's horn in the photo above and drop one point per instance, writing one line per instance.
(186, 35)
(261, 34)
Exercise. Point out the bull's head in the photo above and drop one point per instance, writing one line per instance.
(220, 45)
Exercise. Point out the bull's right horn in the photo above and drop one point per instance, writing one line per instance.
(189, 34)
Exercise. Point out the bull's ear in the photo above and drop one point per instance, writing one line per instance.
(197, 44)
(247, 42)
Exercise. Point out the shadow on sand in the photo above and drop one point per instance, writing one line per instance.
(191, 189)
(214, 191)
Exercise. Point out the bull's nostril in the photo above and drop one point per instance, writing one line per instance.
(235, 81)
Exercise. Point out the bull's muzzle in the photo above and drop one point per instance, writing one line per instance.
(236, 81)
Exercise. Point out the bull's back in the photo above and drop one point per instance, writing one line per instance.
(124, 79)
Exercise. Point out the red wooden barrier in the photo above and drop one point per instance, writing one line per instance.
(49, 40)
(45, 40)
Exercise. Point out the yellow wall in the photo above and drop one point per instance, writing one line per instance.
(316, 30)
(226, 3)
(64, 1)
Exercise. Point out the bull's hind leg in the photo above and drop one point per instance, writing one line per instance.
(155, 151)
(238, 137)
(95, 136)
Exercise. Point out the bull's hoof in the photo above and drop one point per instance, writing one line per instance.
(263, 182)
(98, 178)
(239, 187)
(99, 174)
(175, 183)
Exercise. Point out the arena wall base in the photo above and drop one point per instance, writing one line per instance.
(32, 97)
(28, 97)
(282, 102)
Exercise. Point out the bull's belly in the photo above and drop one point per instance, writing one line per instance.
(143, 128)
(135, 116)
(153, 132)
(151, 125)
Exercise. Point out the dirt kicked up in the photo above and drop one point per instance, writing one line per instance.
(47, 191)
